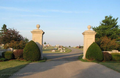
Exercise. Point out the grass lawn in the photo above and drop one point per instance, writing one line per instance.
(78, 48)
(111, 64)
(49, 50)
(8, 68)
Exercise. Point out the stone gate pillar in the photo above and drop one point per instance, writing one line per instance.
(37, 37)
(89, 38)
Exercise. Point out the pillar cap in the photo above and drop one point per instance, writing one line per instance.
(38, 31)
(89, 31)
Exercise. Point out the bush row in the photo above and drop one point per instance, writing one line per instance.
(11, 55)
(115, 56)
(94, 53)
(31, 52)
(112, 56)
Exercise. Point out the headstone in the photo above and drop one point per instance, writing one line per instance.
(10, 49)
(63, 49)
(53, 50)
(59, 48)
(115, 51)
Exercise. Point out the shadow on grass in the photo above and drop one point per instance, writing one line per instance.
(112, 64)
(9, 71)
(6, 73)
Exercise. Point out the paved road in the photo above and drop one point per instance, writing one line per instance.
(65, 66)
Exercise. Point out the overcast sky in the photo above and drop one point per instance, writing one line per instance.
(63, 21)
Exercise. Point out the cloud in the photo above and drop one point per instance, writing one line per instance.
(41, 10)
(14, 9)
(62, 11)
(33, 15)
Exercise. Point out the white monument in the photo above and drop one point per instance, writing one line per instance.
(37, 37)
(89, 38)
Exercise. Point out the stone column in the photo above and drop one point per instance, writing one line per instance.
(37, 37)
(89, 38)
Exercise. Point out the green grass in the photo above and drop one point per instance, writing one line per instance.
(85, 60)
(115, 65)
(49, 50)
(8, 68)
(80, 58)
(78, 48)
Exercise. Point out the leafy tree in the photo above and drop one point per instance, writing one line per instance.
(26, 40)
(106, 44)
(4, 28)
(9, 35)
(45, 43)
(108, 27)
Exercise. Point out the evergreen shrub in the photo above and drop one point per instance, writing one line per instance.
(2, 59)
(31, 52)
(94, 52)
(115, 56)
(9, 55)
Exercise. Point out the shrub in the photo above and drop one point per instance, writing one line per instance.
(3, 54)
(22, 44)
(94, 52)
(107, 44)
(9, 35)
(9, 55)
(6, 46)
(115, 56)
(31, 52)
(2, 59)
(15, 44)
(18, 53)
(107, 56)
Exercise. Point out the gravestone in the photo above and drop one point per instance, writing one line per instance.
(37, 37)
(10, 49)
(89, 38)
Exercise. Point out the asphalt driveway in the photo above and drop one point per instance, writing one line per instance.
(65, 66)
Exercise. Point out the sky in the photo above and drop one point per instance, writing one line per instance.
(63, 21)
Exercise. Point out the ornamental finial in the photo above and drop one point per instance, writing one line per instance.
(89, 27)
(38, 26)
